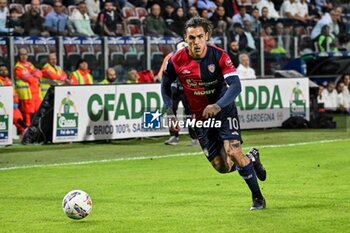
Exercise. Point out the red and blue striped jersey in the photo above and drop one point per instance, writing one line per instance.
(203, 80)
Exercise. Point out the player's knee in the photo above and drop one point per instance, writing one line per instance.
(219, 165)
(234, 151)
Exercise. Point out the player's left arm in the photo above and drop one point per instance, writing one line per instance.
(232, 79)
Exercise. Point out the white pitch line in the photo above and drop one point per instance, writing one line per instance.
(163, 156)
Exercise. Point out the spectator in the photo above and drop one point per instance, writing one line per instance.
(320, 95)
(342, 102)
(323, 6)
(4, 11)
(204, 13)
(184, 4)
(17, 115)
(325, 41)
(93, 7)
(27, 78)
(290, 10)
(255, 25)
(220, 22)
(268, 39)
(15, 22)
(264, 18)
(330, 97)
(249, 35)
(56, 22)
(32, 22)
(179, 21)
(233, 53)
(241, 16)
(110, 22)
(243, 70)
(231, 7)
(155, 24)
(168, 14)
(238, 35)
(81, 76)
(303, 9)
(272, 13)
(209, 5)
(346, 81)
(330, 19)
(144, 76)
(81, 21)
(111, 76)
(192, 12)
(52, 74)
(283, 37)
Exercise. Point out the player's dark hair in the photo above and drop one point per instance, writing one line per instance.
(199, 22)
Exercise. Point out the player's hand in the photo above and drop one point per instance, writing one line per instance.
(174, 125)
(211, 110)
(173, 121)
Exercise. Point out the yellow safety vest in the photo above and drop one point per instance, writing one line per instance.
(22, 87)
(45, 82)
(81, 79)
(105, 81)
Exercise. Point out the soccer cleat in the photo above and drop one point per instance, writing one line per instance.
(258, 204)
(260, 171)
(194, 142)
(173, 140)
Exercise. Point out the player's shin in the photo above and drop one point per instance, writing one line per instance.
(248, 174)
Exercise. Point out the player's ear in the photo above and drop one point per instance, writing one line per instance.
(207, 36)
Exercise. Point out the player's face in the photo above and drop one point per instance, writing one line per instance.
(196, 39)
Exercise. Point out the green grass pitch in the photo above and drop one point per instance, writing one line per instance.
(307, 189)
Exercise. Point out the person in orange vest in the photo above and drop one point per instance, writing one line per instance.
(81, 76)
(17, 115)
(52, 75)
(27, 78)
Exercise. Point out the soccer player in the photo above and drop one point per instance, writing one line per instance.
(205, 71)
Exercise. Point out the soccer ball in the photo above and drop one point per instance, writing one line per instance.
(77, 204)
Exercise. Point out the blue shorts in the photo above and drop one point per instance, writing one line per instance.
(212, 139)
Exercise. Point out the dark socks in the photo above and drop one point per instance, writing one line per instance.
(248, 174)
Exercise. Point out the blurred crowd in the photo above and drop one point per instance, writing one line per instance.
(31, 84)
(320, 24)
(335, 97)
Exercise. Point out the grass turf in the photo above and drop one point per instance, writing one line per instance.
(306, 191)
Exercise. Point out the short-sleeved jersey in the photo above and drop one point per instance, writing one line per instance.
(203, 80)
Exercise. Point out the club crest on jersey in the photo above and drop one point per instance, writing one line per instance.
(228, 62)
(211, 68)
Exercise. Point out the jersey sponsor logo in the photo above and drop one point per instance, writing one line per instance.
(211, 68)
(204, 92)
(196, 84)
